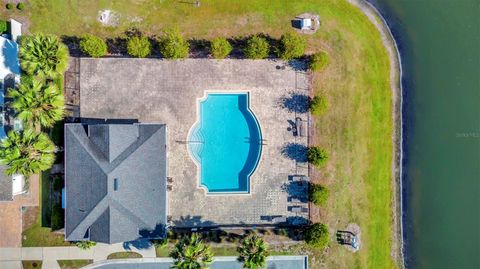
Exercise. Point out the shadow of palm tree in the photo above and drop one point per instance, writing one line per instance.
(192, 221)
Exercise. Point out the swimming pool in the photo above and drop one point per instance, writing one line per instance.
(225, 143)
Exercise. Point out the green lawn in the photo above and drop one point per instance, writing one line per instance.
(357, 128)
(73, 264)
(40, 234)
(124, 255)
(32, 264)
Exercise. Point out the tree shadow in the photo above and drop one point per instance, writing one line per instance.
(117, 45)
(73, 45)
(199, 48)
(296, 190)
(300, 65)
(143, 241)
(192, 222)
(295, 151)
(138, 244)
(295, 102)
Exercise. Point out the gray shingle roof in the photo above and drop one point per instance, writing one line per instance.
(97, 156)
(5, 185)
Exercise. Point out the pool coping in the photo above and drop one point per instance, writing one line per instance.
(197, 123)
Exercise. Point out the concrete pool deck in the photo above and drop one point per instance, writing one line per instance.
(160, 91)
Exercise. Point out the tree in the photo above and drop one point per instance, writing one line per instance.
(319, 61)
(43, 55)
(256, 48)
(317, 236)
(318, 194)
(37, 103)
(291, 46)
(139, 46)
(85, 244)
(318, 105)
(220, 48)
(26, 152)
(191, 253)
(93, 46)
(317, 156)
(253, 252)
(172, 45)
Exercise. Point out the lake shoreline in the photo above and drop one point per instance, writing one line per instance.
(390, 44)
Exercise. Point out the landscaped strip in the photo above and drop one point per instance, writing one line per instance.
(73, 264)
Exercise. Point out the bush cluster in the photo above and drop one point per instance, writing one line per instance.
(172, 45)
(9, 6)
(93, 46)
(256, 48)
(318, 194)
(139, 46)
(317, 156)
(291, 46)
(318, 61)
(21, 6)
(220, 48)
(3, 26)
(318, 105)
(317, 236)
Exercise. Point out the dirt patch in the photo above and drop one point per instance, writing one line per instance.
(29, 216)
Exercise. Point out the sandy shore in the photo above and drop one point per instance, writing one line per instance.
(396, 85)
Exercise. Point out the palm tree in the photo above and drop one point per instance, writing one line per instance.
(37, 102)
(43, 55)
(26, 152)
(253, 252)
(191, 253)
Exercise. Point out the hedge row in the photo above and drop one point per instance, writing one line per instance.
(173, 45)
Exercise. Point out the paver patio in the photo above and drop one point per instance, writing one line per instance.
(155, 90)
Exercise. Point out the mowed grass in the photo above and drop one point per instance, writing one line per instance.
(357, 129)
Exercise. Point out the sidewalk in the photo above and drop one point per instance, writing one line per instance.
(10, 258)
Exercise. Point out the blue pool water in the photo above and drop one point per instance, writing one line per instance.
(225, 143)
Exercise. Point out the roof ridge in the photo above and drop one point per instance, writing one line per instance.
(90, 147)
(98, 207)
(123, 156)
(117, 205)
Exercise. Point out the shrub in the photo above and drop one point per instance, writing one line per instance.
(256, 48)
(93, 46)
(318, 61)
(3, 26)
(139, 46)
(172, 45)
(220, 48)
(20, 6)
(317, 235)
(318, 194)
(318, 105)
(291, 46)
(159, 243)
(58, 216)
(85, 244)
(9, 6)
(317, 156)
